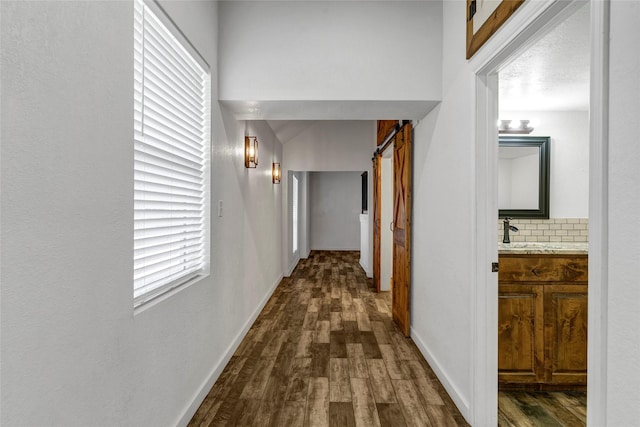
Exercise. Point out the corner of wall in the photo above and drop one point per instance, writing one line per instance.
(456, 395)
(222, 362)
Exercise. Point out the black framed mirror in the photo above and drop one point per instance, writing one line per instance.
(524, 177)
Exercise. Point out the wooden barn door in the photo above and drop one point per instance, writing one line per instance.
(402, 229)
(377, 205)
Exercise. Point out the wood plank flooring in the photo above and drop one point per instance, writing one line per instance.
(325, 352)
(548, 409)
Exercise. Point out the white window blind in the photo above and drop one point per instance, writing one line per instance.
(294, 203)
(171, 120)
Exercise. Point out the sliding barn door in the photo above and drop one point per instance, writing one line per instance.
(377, 205)
(402, 229)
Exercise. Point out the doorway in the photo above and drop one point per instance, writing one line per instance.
(543, 196)
(533, 22)
(386, 220)
(399, 143)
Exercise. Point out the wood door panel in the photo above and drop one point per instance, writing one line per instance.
(566, 333)
(402, 229)
(520, 333)
(385, 127)
(543, 268)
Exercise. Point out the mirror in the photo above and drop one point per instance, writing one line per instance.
(523, 177)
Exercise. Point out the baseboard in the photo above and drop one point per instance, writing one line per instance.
(293, 266)
(456, 396)
(336, 249)
(365, 267)
(222, 363)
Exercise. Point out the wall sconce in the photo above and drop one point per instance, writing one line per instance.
(250, 151)
(514, 126)
(275, 173)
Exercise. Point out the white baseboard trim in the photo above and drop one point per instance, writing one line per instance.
(293, 266)
(333, 248)
(365, 267)
(222, 363)
(456, 396)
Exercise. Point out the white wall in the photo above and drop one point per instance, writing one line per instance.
(386, 217)
(569, 185)
(443, 228)
(444, 197)
(73, 351)
(318, 50)
(623, 329)
(332, 145)
(334, 210)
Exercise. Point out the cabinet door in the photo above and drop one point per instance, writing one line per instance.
(566, 334)
(520, 333)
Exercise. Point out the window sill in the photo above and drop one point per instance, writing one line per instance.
(144, 302)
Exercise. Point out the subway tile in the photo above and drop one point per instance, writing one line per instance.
(580, 238)
(560, 220)
(573, 232)
(543, 226)
(567, 226)
(543, 238)
(573, 220)
(562, 232)
(555, 238)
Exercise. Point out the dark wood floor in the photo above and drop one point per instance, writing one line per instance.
(548, 409)
(324, 351)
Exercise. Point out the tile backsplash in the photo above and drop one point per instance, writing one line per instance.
(547, 230)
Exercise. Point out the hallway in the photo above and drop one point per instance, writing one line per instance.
(325, 351)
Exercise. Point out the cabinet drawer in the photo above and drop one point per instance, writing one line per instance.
(543, 268)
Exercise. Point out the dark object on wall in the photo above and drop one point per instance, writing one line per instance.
(544, 167)
(365, 191)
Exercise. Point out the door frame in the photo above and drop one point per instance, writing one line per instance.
(376, 217)
(524, 27)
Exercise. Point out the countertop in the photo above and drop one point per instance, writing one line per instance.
(543, 248)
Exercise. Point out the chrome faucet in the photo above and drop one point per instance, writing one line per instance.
(507, 227)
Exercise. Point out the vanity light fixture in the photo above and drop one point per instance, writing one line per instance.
(250, 151)
(275, 173)
(514, 127)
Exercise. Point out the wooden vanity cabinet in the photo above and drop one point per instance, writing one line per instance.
(542, 321)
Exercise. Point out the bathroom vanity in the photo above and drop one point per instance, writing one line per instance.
(542, 316)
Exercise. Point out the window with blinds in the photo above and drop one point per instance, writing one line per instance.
(294, 213)
(171, 149)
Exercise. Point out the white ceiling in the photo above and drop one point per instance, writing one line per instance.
(553, 74)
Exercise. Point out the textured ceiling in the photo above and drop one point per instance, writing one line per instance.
(553, 74)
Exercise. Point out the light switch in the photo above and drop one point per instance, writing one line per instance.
(220, 208)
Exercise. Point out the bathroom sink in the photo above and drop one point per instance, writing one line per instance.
(543, 247)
